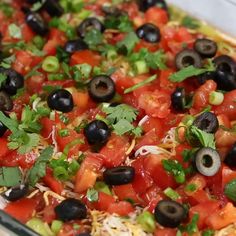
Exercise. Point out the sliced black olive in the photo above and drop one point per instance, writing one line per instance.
(225, 75)
(230, 158)
(3, 129)
(205, 47)
(36, 23)
(16, 193)
(83, 234)
(207, 122)
(169, 213)
(206, 76)
(53, 8)
(32, 1)
(89, 23)
(226, 64)
(72, 46)
(207, 161)
(188, 57)
(13, 82)
(144, 5)
(149, 32)
(178, 100)
(60, 100)
(6, 103)
(101, 88)
(71, 209)
(119, 175)
(97, 132)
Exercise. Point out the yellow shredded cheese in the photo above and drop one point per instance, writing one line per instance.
(53, 194)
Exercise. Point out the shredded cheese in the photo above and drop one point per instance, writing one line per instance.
(131, 147)
(150, 149)
(53, 194)
(33, 193)
(3, 202)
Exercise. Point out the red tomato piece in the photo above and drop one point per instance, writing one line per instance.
(156, 15)
(124, 192)
(121, 208)
(114, 150)
(165, 232)
(156, 104)
(104, 201)
(22, 209)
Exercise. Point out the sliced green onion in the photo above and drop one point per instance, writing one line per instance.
(141, 84)
(188, 120)
(216, 98)
(55, 77)
(72, 144)
(111, 54)
(61, 173)
(180, 177)
(64, 132)
(40, 227)
(56, 226)
(147, 221)
(171, 193)
(190, 187)
(85, 69)
(102, 187)
(84, 14)
(140, 67)
(51, 64)
(38, 41)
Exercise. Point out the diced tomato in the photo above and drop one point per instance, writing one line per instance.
(114, 150)
(88, 172)
(228, 106)
(80, 98)
(165, 83)
(22, 209)
(104, 201)
(125, 192)
(121, 208)
(35, 83)
(223, 217)
(54, 184)
(165, 232)
(22, 62)
(49, 213)
(4, 149)
(201, 96)
(156, 15)
(156, 104)
(85, 56)
(154, 167)
(27, 33)
(227, 175)
(204, 210)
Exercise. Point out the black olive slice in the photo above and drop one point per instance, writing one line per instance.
(36, 23)
(225, 63)
(71, 209)
(207, 161)
(149, 32)
(6, 104)
(205, 47)
(207, 122)
(13, 82)
(178, 100)
(230, 158)
(72, 46)
(188, 57)
(144, 5)
(53, 8)
(169, 213)
(119, 175)
(206, 76)
(97, 132)
(16, 193)
(89, 23)
(60, 100)
(101, 88)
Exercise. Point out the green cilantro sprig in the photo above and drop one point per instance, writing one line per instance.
(10, 176)
(190, 71)
(121, 118)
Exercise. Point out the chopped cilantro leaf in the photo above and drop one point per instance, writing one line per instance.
(190, 22)
(39, 168)
(191, 228)
(6, 62)
(93, 38)
(6, 9)
(122, 127)
(230, 190)
(38, 5)
(190, 71)
(122, 111)
(2, 78)
(128, 43)
(10, 176)
(122, 23)
(208, 232)
(140, 84)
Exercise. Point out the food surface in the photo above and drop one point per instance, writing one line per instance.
(117, 118)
